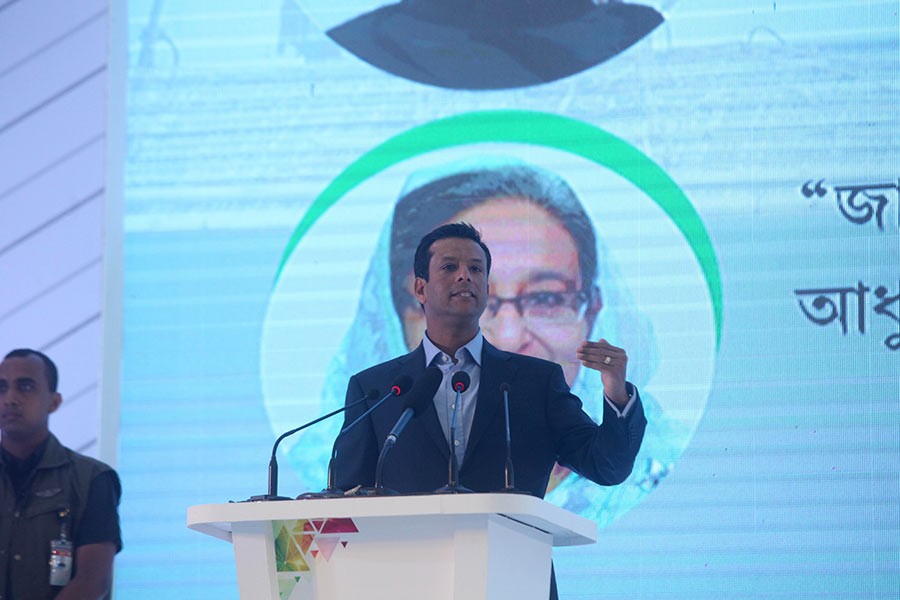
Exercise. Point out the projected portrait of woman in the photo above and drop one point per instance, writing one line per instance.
(552, 286)
(472, 44)
(544, 295)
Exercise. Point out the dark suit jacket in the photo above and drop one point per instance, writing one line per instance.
(547, 425)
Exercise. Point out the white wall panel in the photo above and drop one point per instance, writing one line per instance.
(42, 198)
(38, 317)
(49, 72)
(59, 127)
(32, 25)
(38, 262)
(78, 356)
(53, 105)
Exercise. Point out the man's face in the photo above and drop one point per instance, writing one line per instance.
(535, 261)
(25, 398)
(457, 287)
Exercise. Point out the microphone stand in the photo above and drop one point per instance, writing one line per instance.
(453, 486)
(509, 474)
(332, 491)
(378, 489)
(273, 461)
(421, 394)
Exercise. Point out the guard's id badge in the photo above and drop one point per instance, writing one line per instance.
(61, 550)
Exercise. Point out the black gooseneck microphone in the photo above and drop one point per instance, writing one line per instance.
(273, 461)
(460, 383)
(421, 395)
(509, 474)
(400, 386)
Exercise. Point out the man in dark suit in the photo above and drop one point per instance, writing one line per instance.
(547, 423)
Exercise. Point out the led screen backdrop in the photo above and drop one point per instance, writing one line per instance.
(723, 188)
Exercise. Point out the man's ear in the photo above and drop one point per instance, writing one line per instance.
(55, 401)
(419, 289)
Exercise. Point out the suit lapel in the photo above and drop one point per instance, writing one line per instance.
(495, 369)
(412, 364)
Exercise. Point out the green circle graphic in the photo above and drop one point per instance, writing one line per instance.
(540, 129)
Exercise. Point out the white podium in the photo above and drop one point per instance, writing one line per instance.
(460, 547)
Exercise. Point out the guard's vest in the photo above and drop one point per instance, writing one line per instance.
(61, 481)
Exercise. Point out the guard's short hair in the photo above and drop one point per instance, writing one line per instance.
(50, 370)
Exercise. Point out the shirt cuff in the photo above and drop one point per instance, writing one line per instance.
(623, 412)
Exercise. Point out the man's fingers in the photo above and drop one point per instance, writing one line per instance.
(601, 355)
(595, 352)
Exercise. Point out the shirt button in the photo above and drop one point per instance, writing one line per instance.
(17, 557)
(456, 442)
(453, 406)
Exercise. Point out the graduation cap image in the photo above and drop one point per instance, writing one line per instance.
(493, 44)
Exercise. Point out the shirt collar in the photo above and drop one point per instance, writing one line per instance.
(473, 346)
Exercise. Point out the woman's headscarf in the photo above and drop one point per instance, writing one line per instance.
(376, 335)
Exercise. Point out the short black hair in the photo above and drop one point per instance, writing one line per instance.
(439, 201)
(50, 369)
(450, 230)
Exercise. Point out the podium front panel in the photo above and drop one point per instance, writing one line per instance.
(410, 548)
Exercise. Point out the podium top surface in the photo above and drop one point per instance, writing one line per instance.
(566, 528)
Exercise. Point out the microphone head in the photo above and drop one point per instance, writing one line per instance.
(423, 390)
(504, 387)
(460, 381)
(401, 385)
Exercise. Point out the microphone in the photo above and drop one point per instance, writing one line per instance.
(401, 385)
(420, 396)
(509, 474)
(273, 461)
(422, 393)
(460, 383)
